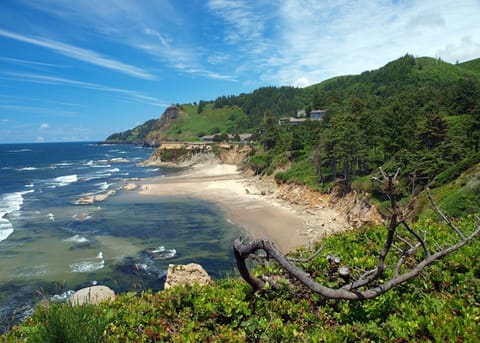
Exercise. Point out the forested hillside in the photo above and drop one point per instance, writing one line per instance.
(420, 114)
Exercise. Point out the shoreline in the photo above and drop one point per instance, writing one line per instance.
(261, 214)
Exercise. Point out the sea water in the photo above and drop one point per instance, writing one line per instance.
(50, 245)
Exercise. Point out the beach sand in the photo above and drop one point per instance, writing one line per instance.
(262, 216)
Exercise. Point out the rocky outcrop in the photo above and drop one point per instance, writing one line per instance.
(92, 295)
(154, 136)
(90, 199)
(130, 187)
(188, 274)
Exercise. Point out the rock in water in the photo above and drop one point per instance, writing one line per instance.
(187, 274)
(92, 295)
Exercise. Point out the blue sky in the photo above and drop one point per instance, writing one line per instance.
(81, 70)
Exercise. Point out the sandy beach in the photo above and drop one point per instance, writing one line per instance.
(262, 216)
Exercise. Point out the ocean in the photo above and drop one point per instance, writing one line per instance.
(51, 245)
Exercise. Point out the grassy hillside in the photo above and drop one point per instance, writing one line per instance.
(190, 125)
(473, 65)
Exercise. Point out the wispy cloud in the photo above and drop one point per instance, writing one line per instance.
(44, 126)
(81, 54)
(46, 79)
(28, 62)
(244, 23)
(150, 27)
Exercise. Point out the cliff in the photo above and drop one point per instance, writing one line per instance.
(187, 154)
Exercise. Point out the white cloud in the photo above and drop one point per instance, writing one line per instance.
(301, 82)
(44, 126)
(321, 39)
(81, 54)
(40, 139)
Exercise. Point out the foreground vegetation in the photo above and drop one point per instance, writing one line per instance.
(441, 305)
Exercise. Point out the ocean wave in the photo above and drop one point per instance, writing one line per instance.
(62, 297)
(99, 175)
(64, 180)
(6, 229)
(20, 150)
(113, 170)
(27, 168)
(87, 265)
(63, 164)
(97, 164)
(76, 239)
(163, 254)
(153, 170)
(10, 202)
(103, 185)
(30, 185)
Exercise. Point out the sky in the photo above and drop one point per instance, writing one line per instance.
(82, 70)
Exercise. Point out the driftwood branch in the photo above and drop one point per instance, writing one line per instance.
(368, 285)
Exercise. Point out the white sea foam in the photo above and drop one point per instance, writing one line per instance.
(27, 168)
(76, 239)
(153, 170)
(98, 164)
(20, 150)
(113, 170)
(103, 185)
(163, 254)
(30, 185)
(63, 164)
(6, 229)
(65, 180)
(9, 202)
(51, 217)
(62, 297)
(86, 267)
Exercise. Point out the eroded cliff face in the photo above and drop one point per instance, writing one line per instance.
(187, 154)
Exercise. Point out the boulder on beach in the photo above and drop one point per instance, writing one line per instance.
(92, 295)
(187, 274)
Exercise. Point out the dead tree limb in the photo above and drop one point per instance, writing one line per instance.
(368, 285)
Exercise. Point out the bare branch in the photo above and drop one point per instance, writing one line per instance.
(368, 285)
(404, 240)
(308, 259)
(420, 240)
(444, 217)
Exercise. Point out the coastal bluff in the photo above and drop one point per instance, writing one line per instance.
(186, 154)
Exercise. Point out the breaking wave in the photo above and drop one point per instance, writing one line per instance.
(87, 265)
(9, 202)
(64, 180)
